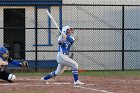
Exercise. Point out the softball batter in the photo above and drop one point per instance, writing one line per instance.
(65, 40)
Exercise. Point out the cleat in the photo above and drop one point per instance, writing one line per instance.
(43, 80)
(78, 83)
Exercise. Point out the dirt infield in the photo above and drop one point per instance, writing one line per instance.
(64, 84)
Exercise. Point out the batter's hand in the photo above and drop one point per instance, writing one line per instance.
(64, 35)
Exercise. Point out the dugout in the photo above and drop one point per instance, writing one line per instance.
(24, 28)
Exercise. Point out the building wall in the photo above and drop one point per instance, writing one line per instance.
(104, 17)
(1, 25)
(30, 33)
(87, 40)
(42, 33)
(102, 1)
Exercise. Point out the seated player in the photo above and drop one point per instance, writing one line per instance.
(4, 60)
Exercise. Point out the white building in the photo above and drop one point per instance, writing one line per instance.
(18, 22)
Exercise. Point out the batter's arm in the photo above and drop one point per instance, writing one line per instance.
(70, 39)
(61, 40)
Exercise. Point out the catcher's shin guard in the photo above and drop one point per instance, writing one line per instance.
(7, 76)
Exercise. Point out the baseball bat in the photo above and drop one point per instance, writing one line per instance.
(54, 22)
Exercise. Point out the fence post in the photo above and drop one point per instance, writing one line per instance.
(60, 17)
(36, 39)
(122, 37)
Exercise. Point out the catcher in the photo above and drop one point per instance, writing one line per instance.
(4, 60)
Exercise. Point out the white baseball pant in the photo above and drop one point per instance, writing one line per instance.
(64, 61)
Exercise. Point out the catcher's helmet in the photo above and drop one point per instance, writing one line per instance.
(3, 50)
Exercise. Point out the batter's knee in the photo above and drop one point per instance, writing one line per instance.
(58, 73)
(76, 66)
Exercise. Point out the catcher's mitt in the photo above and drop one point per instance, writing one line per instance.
(25, 64)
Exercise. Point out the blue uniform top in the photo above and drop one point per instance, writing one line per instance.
(65, 44)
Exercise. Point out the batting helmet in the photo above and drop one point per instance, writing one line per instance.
(64, 29)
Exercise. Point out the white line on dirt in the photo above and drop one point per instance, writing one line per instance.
(15, 84)
(89, 85)
(30, 79)
(7, 84)
(56, 84)
(103, 91)
(26, 79)
(61, 83)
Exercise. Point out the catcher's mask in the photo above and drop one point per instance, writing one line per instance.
(4, 52)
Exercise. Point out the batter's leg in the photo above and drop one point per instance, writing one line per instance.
(60, 69)
(65, 60)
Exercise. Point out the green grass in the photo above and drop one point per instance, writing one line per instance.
(24, 92)
(111, 73)
(87, 73)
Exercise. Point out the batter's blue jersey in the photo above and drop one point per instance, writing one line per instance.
(64, 46)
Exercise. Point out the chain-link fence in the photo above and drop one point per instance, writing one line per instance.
(107, 35)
